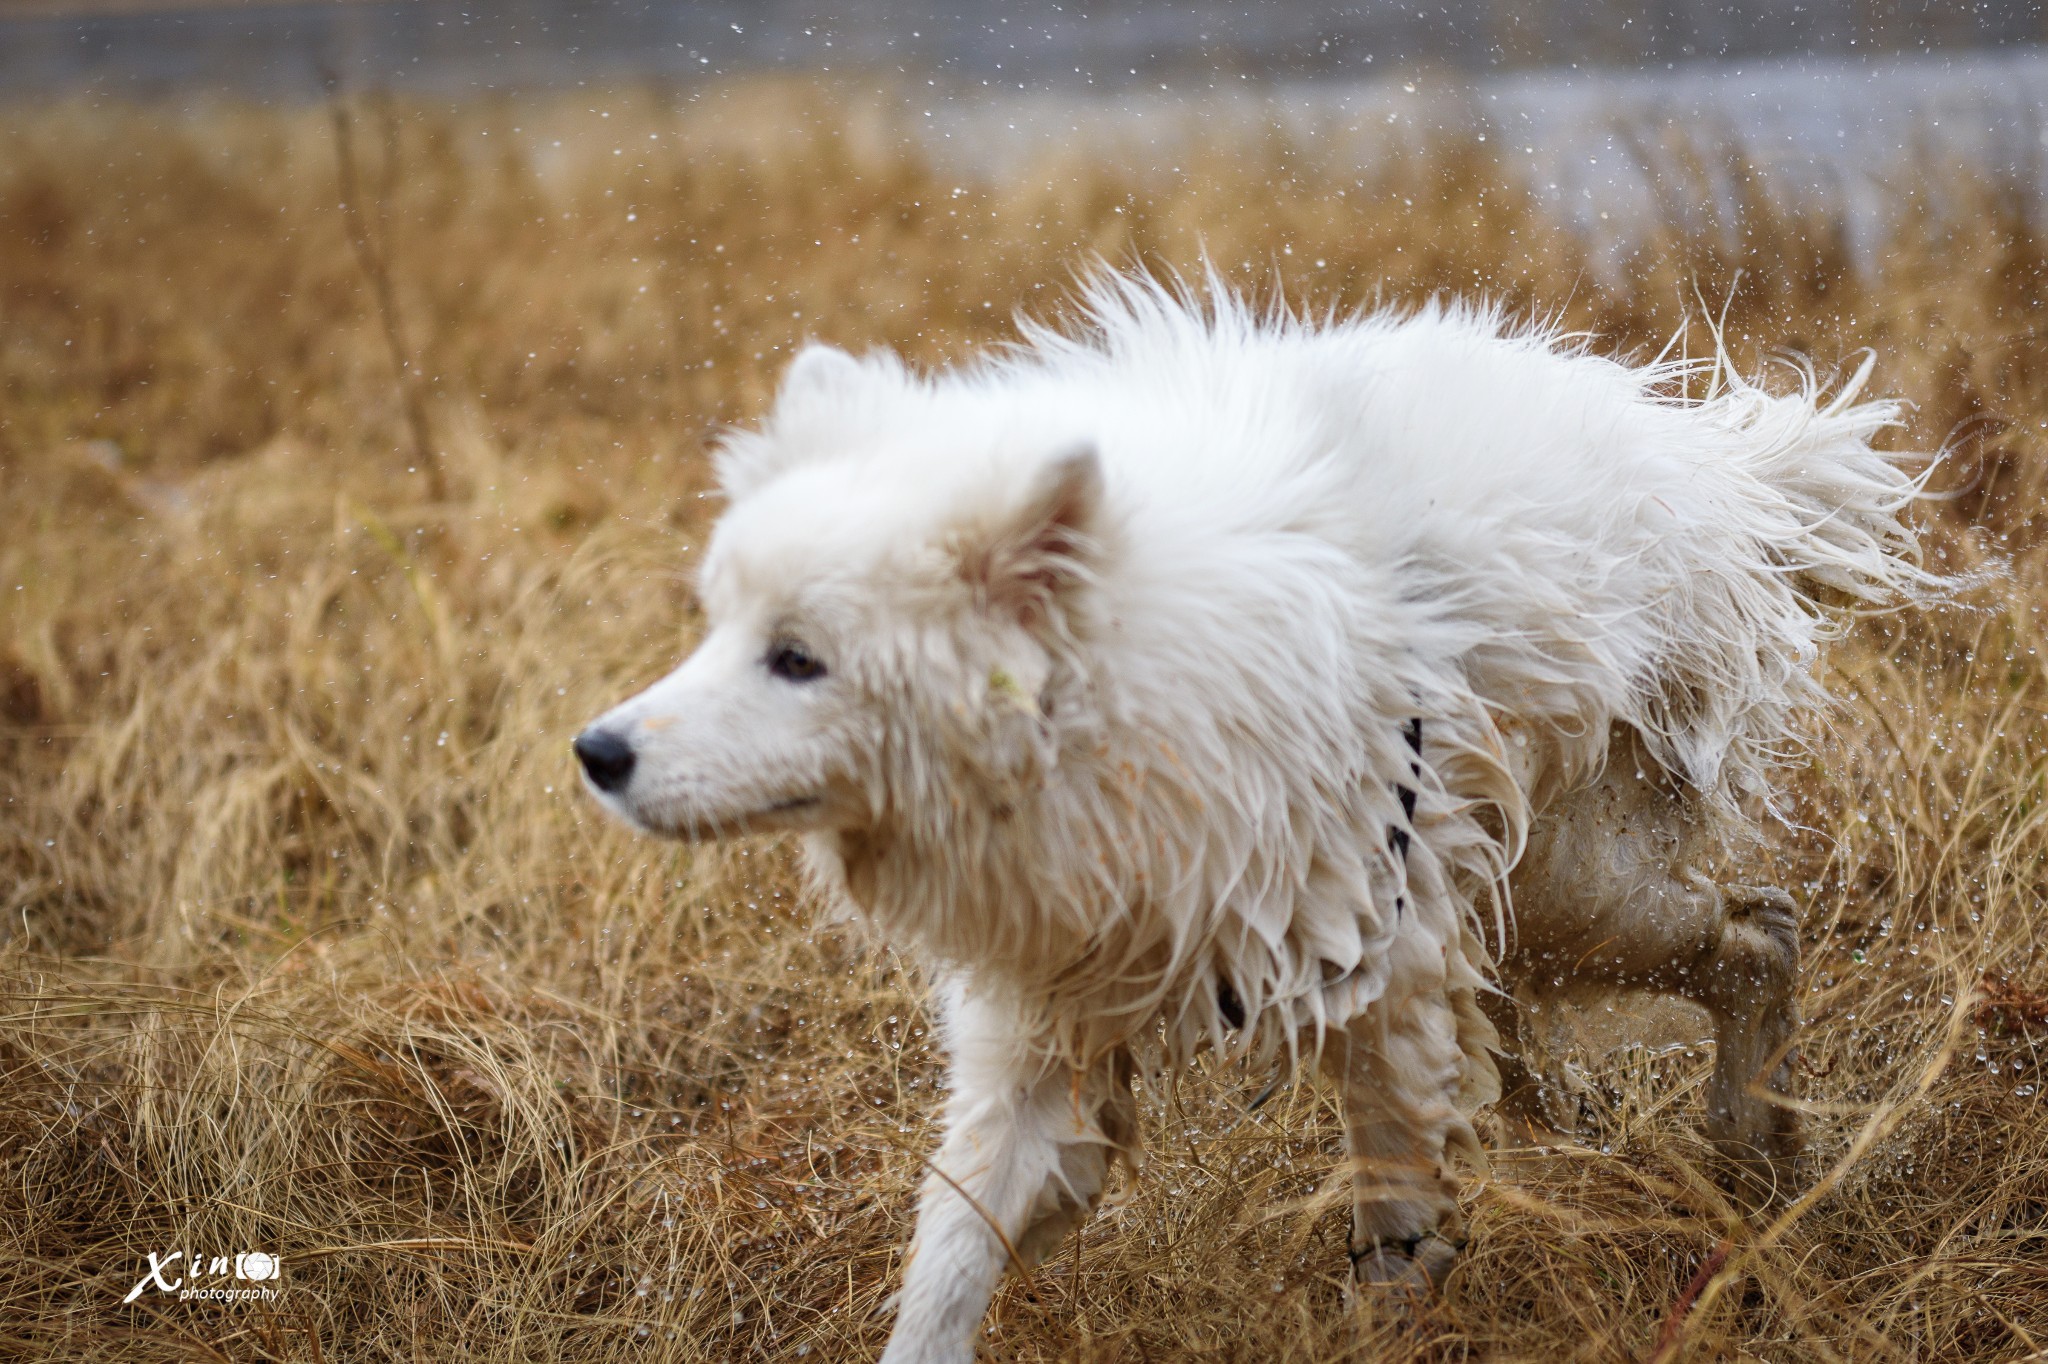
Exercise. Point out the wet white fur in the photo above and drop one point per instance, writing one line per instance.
(1121, 628)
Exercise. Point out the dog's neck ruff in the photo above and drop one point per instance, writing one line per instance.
(1118, 927)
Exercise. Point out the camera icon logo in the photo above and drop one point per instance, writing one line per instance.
(256, 1264)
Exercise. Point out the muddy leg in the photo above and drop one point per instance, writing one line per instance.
(1542, 1098)
(1400, 1068)
(1606, 896)
(1749, 982)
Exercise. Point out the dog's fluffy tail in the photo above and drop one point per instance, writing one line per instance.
(1834, 503)
(1809, 529)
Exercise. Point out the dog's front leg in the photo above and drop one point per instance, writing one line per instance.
(1401, 1069)
(1028, 1145)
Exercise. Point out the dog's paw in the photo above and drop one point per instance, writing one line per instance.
(1760, 1167)
(907, 1351)
(1414, 1265)
(1759, 1157)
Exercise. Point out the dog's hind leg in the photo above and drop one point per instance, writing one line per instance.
(1542, 1097)
(1749, 981)
(1606, 896)
(1401, 1069)
(1028, 1145)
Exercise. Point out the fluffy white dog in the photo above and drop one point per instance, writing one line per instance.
(1203, 679)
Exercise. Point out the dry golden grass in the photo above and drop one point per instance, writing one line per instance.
(311, 944)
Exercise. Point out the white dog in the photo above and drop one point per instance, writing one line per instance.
(1208, 680)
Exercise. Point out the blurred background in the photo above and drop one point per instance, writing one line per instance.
(1821, 92)
(446, 45)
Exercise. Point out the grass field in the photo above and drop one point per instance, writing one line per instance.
(324, 527)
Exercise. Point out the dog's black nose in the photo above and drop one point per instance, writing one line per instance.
(606, 757)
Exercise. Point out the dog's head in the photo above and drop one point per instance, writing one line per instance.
(893, 601)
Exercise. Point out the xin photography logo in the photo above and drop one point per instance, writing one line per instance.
(250, 1276)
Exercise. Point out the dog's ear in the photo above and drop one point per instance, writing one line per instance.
(824, 391)
(818, 369)
(1045, 546)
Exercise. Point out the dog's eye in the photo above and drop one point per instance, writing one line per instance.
(792, 662)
